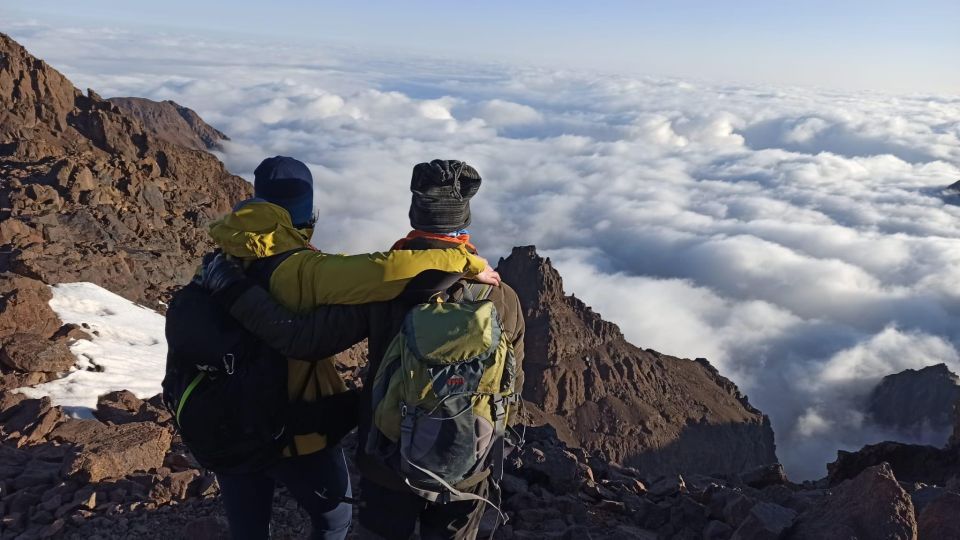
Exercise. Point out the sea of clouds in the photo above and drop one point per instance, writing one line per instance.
(797, 238)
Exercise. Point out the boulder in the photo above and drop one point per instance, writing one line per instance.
(764, 476)
(122, 407)
(25, 308)
(667, 486)
(111, 451)
(554, 467)
(872, 505)
(32, 352)
(8, 403)
(24, 415)
(940, 518)
(766, 521)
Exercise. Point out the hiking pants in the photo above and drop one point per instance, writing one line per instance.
(393, 515)
(248, 498)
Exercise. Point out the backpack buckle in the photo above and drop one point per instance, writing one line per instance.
(228, 363)
(403, 410)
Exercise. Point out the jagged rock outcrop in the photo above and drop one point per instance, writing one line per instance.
(872, 505)
(88, 193)
(916, 401)
(652, 411)
(172, 122)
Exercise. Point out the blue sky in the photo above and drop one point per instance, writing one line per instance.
(881, 45)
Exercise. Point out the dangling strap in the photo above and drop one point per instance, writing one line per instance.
(499, 432)
(456, 493)
(186, 394)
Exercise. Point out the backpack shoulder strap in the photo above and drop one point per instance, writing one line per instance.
(475, 292)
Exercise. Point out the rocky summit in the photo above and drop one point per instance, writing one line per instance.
(621, 442)
(638, 407)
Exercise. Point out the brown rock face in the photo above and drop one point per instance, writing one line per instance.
(171, 122)
(122, 407)
(30, 352)
(872, 505)
(112, 451)
(916, 400)
(24, 307)
(941, 518)
(658, 413)
(88, 193)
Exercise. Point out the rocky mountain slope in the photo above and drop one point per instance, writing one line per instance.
(88, 193)
(172, 122)
(638, 407)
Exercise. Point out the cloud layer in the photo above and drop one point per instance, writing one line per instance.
(796, 238)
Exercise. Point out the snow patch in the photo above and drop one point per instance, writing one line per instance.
(127, 352)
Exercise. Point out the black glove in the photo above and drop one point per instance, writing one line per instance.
(220, 273)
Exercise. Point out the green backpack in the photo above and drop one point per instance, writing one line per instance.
(442, 397)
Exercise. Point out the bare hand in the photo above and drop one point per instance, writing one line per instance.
(489, 276)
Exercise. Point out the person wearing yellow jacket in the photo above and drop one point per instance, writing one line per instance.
(274, 229)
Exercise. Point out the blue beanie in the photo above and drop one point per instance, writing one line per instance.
(286, 182)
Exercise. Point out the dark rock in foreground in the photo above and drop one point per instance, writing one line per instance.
(872, 505)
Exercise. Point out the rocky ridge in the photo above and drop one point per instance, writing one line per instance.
(172, 122)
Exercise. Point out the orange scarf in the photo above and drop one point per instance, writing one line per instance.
(414, 234)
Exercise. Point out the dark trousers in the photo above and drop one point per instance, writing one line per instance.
(391, 514)
(248, 498)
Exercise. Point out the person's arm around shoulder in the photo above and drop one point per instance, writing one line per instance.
(373, 277)
(319, 333)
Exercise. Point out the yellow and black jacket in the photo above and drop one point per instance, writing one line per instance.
(308, 278)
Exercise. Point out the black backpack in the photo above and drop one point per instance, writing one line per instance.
(226, 390)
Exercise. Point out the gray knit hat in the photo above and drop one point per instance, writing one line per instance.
(442, 190)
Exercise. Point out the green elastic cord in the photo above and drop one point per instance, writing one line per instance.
(186, 393)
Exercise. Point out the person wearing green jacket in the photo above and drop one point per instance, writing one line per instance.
(273, 230)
